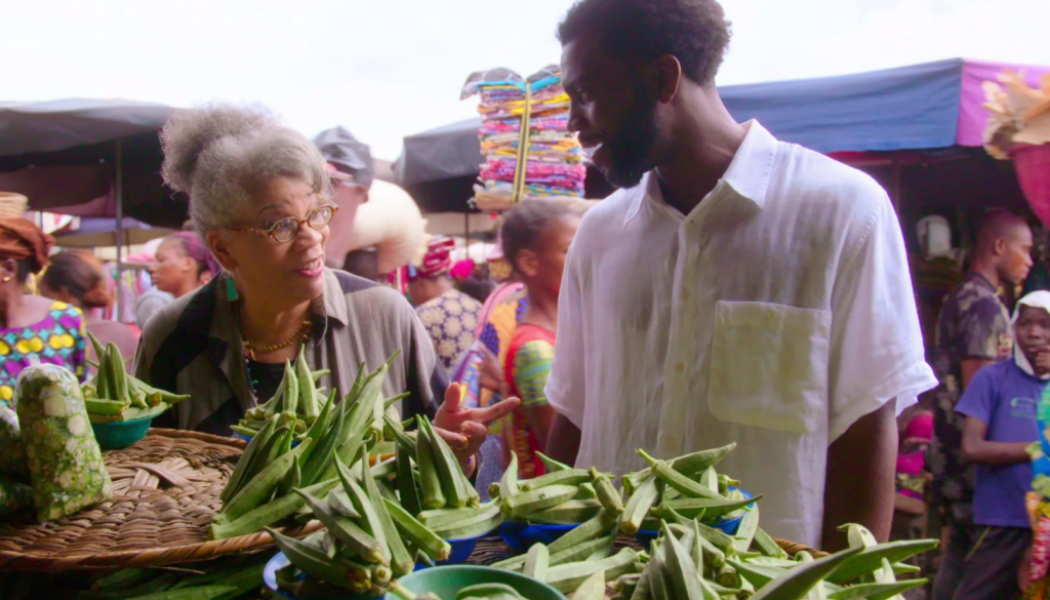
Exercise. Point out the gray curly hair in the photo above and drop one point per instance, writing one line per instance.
(218, 153)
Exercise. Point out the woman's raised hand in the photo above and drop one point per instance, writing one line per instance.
(465, 428)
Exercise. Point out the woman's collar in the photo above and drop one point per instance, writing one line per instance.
(333, 303)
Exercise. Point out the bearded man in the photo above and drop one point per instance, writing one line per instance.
(737, 289)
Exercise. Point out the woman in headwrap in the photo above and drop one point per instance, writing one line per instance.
(182, 264)
(449, 315)
(32, 325)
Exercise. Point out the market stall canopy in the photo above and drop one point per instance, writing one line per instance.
(925, 106)
(101, 233)
(931, 105)
(442, 153)
(62, 153)
(37, 127)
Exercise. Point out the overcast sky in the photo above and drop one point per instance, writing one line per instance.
(390, 68)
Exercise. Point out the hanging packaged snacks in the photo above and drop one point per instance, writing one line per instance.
(12, 448)
(14, 495)
(65, 463)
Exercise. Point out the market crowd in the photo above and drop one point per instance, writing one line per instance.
(735, 289)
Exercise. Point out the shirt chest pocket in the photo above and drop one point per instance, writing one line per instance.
(769, 366)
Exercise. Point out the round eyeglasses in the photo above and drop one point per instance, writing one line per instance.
(285, 230)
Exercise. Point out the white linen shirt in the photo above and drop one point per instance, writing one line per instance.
(774, 315)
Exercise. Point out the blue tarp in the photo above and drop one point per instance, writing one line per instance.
(912, 107)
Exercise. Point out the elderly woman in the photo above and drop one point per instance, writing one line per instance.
(259, 195)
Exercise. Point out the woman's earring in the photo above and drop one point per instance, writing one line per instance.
(231, 290)
(6, 279)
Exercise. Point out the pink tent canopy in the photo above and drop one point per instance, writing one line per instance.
(972, 116)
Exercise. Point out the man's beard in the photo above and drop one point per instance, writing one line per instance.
(631, 154)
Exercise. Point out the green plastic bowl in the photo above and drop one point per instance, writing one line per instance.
(447, 581)
(121, 434)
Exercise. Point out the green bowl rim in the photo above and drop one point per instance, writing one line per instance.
(131, 422)
(484, 568)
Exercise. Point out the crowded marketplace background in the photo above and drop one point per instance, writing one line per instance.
(844, 275)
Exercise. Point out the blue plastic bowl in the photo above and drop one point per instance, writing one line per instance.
(280, 561)
(120, 434)
(729, 526)
(461, 551)
(522, 536)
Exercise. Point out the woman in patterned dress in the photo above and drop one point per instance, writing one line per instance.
(536, 238)
(449, 315)
(32, 325)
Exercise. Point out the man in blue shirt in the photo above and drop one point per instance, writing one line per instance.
(1000, 406)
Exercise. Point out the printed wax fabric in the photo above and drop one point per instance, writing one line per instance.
(450, 319)
(499, 320)
(974, 324)
(554, 159)
(58, 339)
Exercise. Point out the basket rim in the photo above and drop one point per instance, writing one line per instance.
(52, 562)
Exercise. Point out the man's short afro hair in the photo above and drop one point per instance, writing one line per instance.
(695, 32)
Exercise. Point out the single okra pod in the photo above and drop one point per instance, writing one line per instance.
(678, 481)
(567, 477)
(346, 531)
(638, 505)
(592, 588)
(537, 561)
(608, 495)
(429, 478)
(598, 526)
(423, 537)
(551, 465)
(524, 503)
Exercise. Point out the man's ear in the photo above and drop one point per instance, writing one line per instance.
(668, 77)
(217, 244)
(999, 247)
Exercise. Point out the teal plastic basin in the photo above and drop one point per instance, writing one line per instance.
(121, 434)
(447, 581)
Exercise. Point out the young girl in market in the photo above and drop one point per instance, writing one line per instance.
(1000, 404)
(536, 238)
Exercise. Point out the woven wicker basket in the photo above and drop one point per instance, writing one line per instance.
(12, 204)
(166, 491)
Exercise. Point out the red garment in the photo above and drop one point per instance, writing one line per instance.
(523, 440)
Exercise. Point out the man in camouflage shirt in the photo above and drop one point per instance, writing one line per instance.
(973, 331)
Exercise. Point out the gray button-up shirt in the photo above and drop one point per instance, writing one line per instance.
(194, 346)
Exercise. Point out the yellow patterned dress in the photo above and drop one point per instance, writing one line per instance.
(59, 339)
(450, 319)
